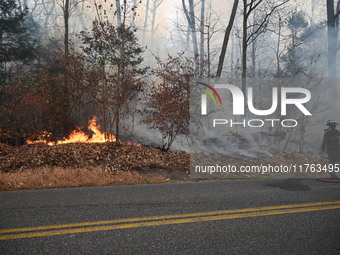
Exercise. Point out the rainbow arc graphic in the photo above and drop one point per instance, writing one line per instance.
(211, 92)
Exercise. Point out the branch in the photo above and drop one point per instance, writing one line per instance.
(186, 12)
(48, 12)
(262, 25)
(338, 10)
(337, 14)
(160, 2)
(251, 8)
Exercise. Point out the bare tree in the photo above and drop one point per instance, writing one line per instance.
(226, 40)
(80, 14)
(332, 17)
(337, 14)
(48, 10)
(280, 47)
(118, 13)
(190, 16)
(145, 20)
(211, 22)
(68, 7)
(202, 38)
(156, 4)
(248, 9)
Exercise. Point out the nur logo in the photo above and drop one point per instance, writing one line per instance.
(208, 92)
(285, 95)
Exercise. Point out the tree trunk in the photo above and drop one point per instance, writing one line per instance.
(134, 13)
(146, 20)
(232, 54)
(277, 53)
(118, 12)
(226, 40)
(47, 12)
(190, 15)
(312, 13)
(337, 17)
(188, 39)
(80, 15)
(194, 35)
(154, 10)
(244, 47)
(332, 39)
(202, 38)
(208, 52)
(66, 23)
(253, 59)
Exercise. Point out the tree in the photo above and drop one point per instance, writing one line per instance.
(36, 101)
(48, 8)
(295, 58)
(257, 28)
(168, 105)
(211, 29)
(118, 13)
(202, 25)
(146, 16)
(190, 16)
(280, 47)
(226, 40)
(337, 14)
(17, 32)
(68, 7)
(115, 54)
(296, 23)
(18, 38)
(332, 16)
(156, 4)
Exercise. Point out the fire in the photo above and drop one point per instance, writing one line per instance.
(78, 136)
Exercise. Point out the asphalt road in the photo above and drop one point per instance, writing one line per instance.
(214, 220)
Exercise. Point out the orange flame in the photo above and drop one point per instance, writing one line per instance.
(78, 136)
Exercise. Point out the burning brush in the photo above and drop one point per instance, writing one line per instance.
(78, 136)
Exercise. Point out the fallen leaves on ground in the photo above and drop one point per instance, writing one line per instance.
(119, 157)
(112, 157)
(281, 158)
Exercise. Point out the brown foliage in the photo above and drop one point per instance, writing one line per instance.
(62, 91)
(168, 103)
(115, 54)
(113, 157)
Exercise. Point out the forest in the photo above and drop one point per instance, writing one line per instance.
(129, 66)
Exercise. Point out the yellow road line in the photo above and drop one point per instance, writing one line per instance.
(168, 222)
(166, 217)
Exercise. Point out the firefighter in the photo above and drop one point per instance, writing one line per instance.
(331, 142)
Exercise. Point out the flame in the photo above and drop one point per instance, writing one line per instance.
(78, 136)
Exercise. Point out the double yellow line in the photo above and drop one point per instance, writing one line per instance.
(52, 230)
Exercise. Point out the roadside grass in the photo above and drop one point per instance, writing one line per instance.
(57, 177)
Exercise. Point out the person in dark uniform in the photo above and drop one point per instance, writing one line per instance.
(331, 142)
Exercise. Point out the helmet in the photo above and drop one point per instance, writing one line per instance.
(331, 123)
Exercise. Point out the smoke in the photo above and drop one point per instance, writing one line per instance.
(308, 60)
(254, 136)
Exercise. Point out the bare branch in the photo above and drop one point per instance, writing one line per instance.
(186, 12)
(337, 14)
(262, 27)
(251, 7)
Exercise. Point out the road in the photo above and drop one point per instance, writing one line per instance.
(278, 216)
